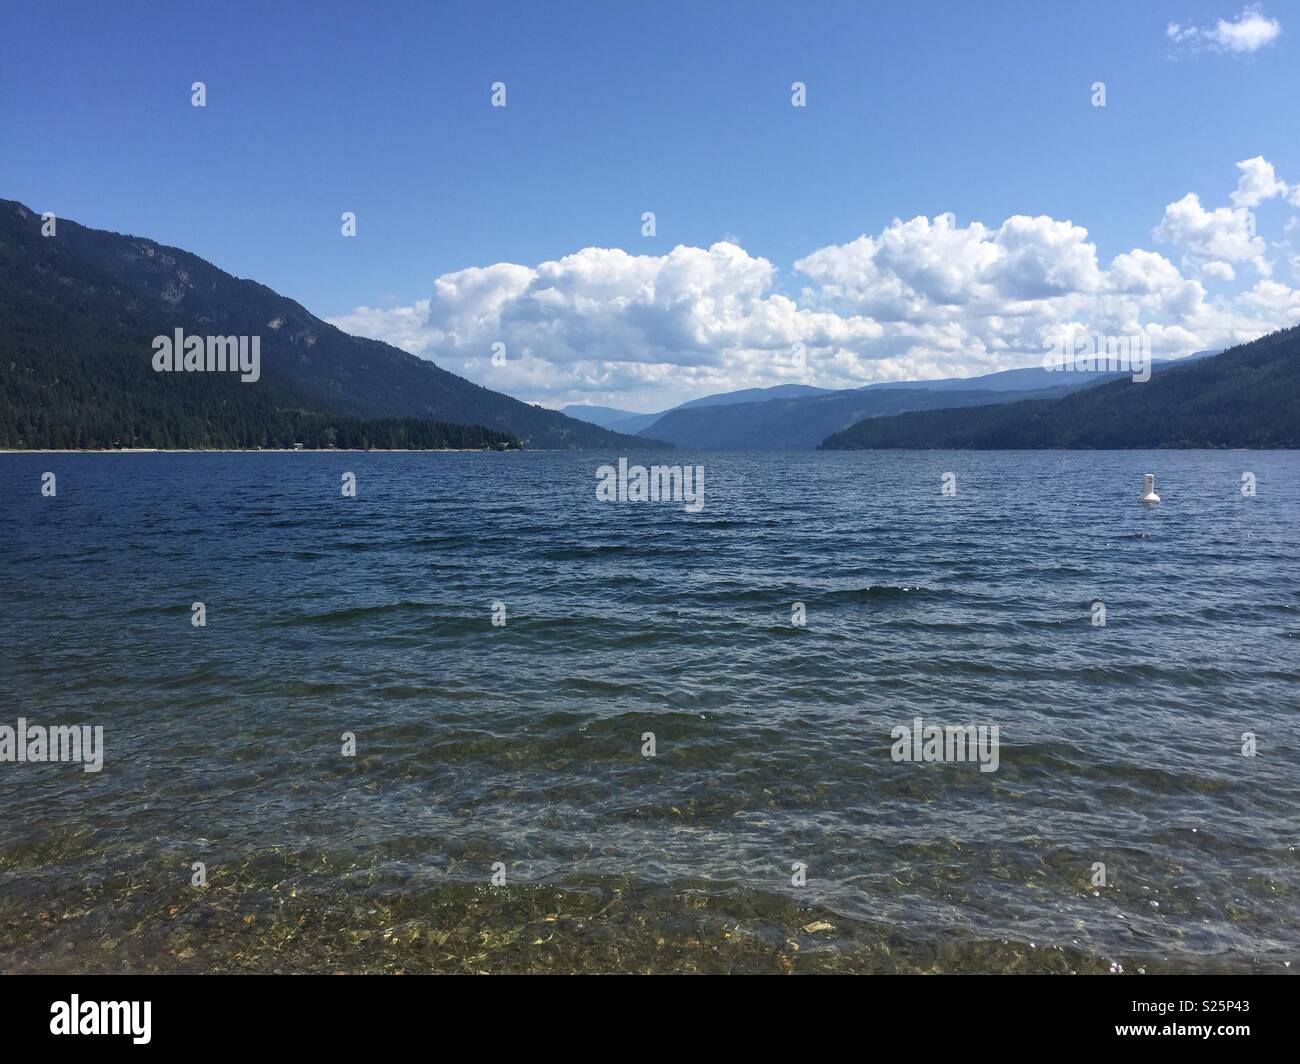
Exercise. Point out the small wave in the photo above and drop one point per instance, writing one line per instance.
(352, 613)
(879, 593)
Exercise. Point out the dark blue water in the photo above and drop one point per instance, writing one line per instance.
(522, 744)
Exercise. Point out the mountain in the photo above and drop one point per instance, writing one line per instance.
(76, 372)
(755, 395)
(802, 423)
(1248, 396)
(80, 309)
(1032, 378)
(812, 414)
(599, 415)
(609, 417)
(629, 421)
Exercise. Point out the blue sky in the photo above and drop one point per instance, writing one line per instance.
(615, 109)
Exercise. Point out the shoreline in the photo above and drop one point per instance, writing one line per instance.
(284, 922)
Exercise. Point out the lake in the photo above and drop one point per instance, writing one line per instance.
(501, 807)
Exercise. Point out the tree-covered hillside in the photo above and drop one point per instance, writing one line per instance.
(76, 372)
(1248, 396)
(78, 311)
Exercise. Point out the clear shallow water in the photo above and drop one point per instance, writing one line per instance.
(522, 744)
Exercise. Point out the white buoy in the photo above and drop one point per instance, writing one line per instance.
(1149, 488)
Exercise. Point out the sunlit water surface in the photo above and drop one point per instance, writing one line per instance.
(522, 744)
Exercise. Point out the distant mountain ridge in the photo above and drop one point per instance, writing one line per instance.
(799, 424)
(628, 421)
(609, 417)
(130, 288)
(1030, 378)
(796, 417)
(755, 395)
(1247, 396)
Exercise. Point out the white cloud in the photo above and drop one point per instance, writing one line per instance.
(1257, 183)
(1218, 271)
(402, 327)
(606, 321)
(1223, 235)
(925, 297)
(1246, 34)
(1274, 300)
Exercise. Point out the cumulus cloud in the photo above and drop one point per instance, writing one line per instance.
(1257, 183)
(922, 263)
(1218, 271)
(1222, 235)
(1246, 34)
(924, 297)
(605, 321)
